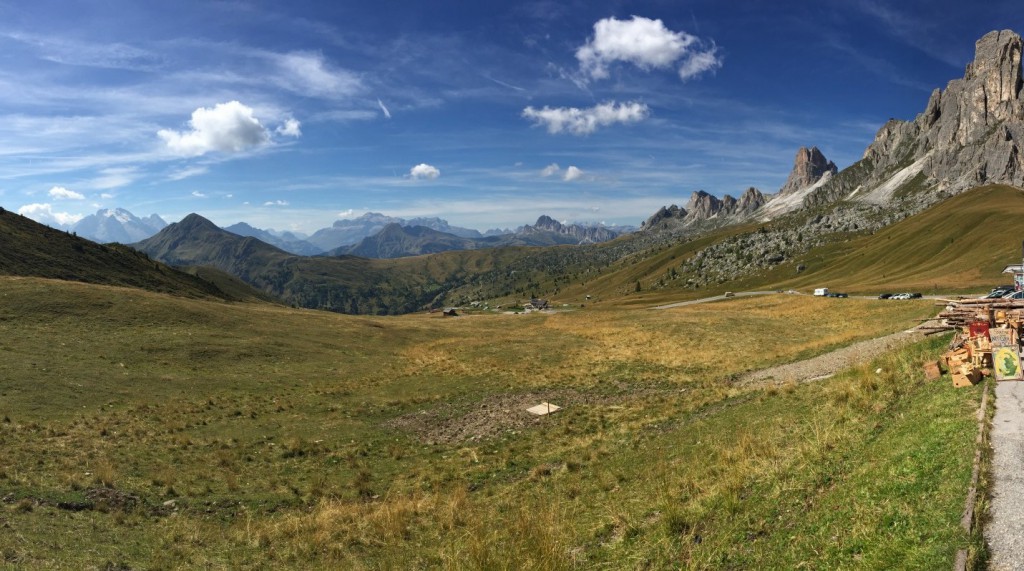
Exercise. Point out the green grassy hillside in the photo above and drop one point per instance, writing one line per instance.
(960, 244)
(28, 248)
(147, 431)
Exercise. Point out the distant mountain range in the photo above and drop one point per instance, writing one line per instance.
(117, 225)
(287, 241)
(397, 240)
(372, 235)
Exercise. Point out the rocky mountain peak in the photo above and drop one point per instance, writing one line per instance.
(702, 206)
(969, 134)
(749, 201)
(545, 222)
(996, 69)
(195, 223)
(988, 94)
(664, 217)
(808, 168)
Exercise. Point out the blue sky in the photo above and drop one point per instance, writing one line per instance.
(290, 115)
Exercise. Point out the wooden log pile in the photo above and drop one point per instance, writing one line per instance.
(983, 327)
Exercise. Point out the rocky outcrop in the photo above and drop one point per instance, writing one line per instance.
(665, 217)
(808, 168)
(577, 233)
(703, 206)
(749, 202)
(968, 134)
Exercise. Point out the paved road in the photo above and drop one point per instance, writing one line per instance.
(788, 292)
(713, 298)
(1006, 530)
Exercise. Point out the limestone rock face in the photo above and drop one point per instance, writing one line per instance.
(808, 168)
(749, 201)
(703, 206)
(968, 134)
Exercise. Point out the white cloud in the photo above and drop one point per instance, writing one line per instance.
(276, 203)
(60, 192)
(307, 73)
(188, 172)
(115, 177)
(228, 127)
(383, 108)
(699, 62)
(44, 214)
(346, 214)
(645, 43)
(572, 173)
(424, 170)
(290, 128)
(106, 196)
(586, 121)
(198, 194)
(550, 170)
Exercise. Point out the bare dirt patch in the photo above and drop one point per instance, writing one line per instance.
(493, 416)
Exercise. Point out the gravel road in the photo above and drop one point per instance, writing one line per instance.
(1006, 529)
(831, 363)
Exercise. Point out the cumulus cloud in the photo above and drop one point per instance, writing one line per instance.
(227, 127)
(424, 170)
(60, 192)
(276, 203)
(645, 43)
(44, 214)
(290, 128)
(572, 173)
(383, 108)
(586, 121)
(550, 170)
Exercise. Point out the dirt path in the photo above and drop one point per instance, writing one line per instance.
(826, 365)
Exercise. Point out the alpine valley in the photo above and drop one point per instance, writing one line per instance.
(186, 396)
(967, 136)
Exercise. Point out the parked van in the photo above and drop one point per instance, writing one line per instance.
(821, 291)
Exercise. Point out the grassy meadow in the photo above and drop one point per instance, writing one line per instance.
(145, 431)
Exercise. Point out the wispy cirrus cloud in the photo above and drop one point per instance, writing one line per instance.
(115, 177)
(61, 49)
(383, 109)
(309, 73)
